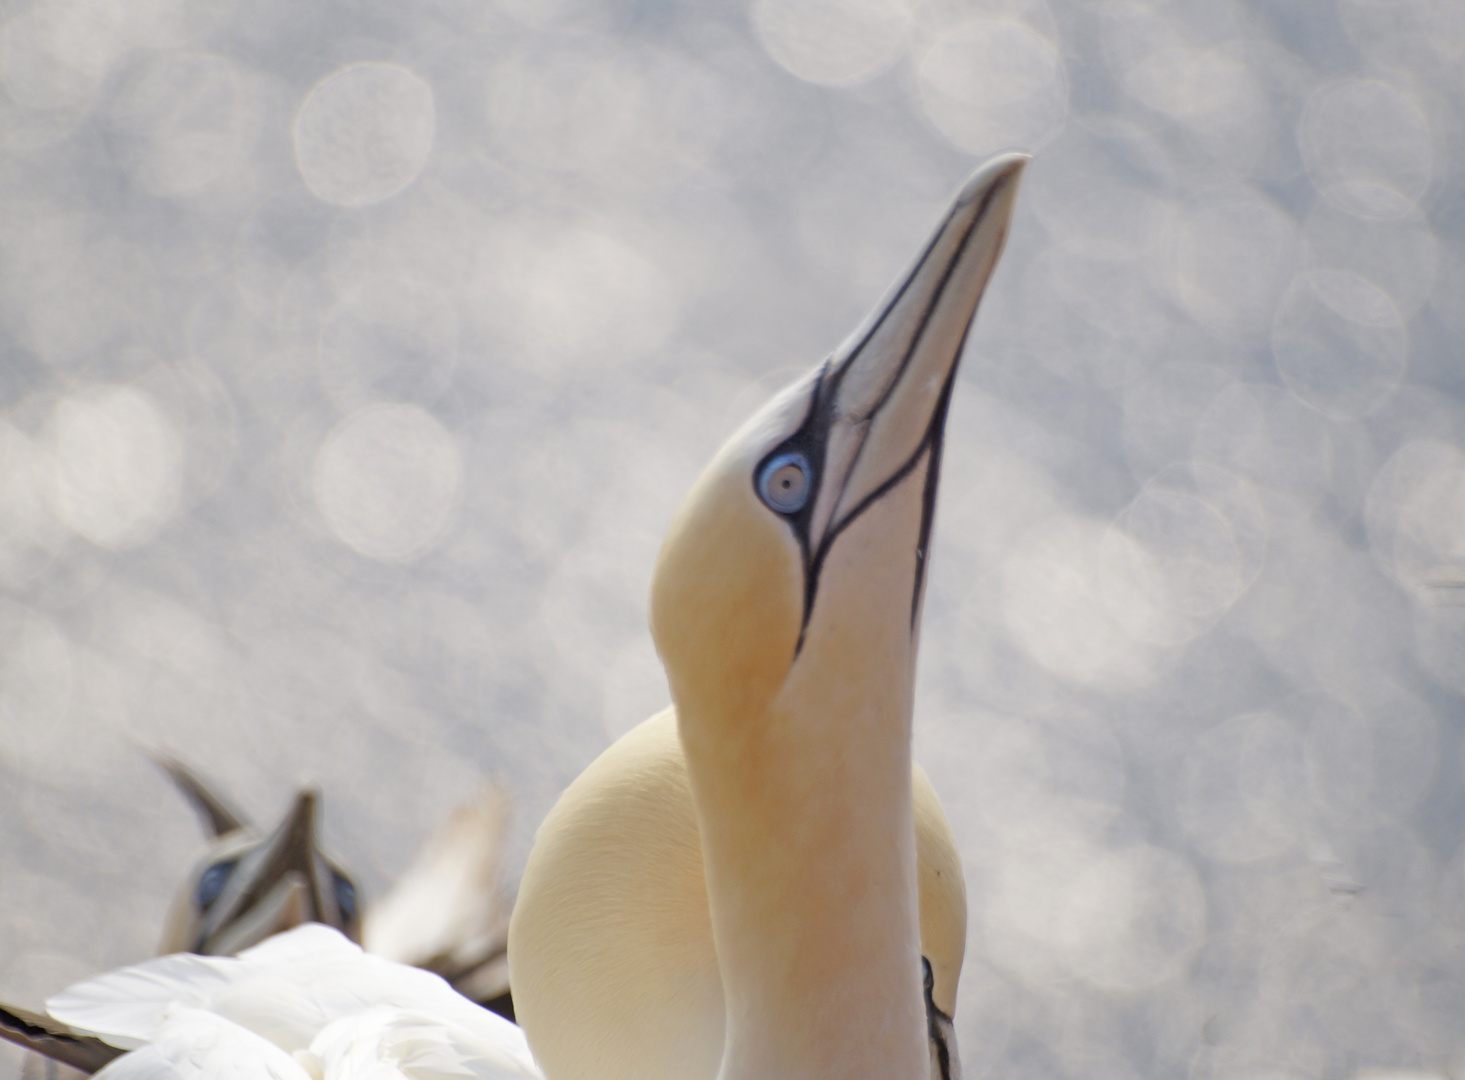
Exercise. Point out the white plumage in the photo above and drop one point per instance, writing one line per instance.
(305, 1004)
(193, 1042)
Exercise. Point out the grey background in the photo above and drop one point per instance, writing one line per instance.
(353, 357)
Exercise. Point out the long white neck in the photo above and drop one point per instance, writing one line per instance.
(809, 848)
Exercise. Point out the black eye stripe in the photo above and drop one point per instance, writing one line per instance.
(809, 442)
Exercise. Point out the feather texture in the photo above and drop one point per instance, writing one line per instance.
(194, 1043)
(304, 1004)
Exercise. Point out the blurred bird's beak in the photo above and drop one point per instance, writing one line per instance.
(271, 888)
(276, 888)
(248, 889)
(214, 811)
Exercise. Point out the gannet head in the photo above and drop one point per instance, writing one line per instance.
(248, 887)
(776, 547)
(786, 608)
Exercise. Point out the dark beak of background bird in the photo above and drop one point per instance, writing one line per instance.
(280, 884)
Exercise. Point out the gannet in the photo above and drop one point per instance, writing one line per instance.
(785, 605)
(615, 972)
(732, 890)
(246, 887)
(445, 913)
(249, 886)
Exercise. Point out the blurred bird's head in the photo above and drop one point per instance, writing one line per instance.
(250, 886)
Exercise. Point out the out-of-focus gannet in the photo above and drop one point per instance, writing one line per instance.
(304, 1005)
(446, 913)
(786, 607)
(248, 887)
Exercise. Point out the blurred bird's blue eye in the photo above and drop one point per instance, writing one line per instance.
(211, 883)
(784, 483)
(345, 897)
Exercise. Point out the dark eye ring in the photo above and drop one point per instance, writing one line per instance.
(212, 881)
(784, 482)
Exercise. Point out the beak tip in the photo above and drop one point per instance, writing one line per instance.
(1004, 170)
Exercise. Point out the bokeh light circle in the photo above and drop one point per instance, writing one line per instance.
(1059, 604)
(1092, 320)
(566, 296)
(1402, 256)
(1245, 788)
(185, 123)
(1266, 436)
(1339, 343)
(363, 133)
(1367, 147)
(1236, 253)
(386, 480)
(390, 338)
(832, 42)
(1122, 920)
(1170, 567)
(1213, 94)
(118, 463)
(637, 118)
(55, 55)
(990, 84)
(1415, 513)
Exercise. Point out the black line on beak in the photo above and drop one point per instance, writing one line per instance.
(811, 439)
(934, 442)
(837, 375)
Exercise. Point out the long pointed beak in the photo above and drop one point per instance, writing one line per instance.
(214, 812)
(275, 887)
(292, 847)
(882, 398)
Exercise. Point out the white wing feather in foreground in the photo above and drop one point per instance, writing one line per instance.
(304, 1005)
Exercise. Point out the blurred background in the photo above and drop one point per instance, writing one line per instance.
(354, 355)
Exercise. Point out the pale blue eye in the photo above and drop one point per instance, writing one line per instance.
(345, 897)
(212, 881)
(784, 483)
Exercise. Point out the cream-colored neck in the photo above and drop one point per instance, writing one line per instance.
(808, 841)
